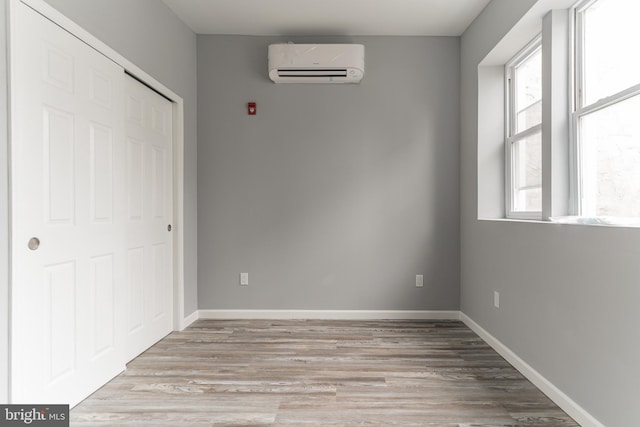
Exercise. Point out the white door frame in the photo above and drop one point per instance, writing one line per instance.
(178, 137)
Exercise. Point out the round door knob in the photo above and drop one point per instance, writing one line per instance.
(34, 243)
(169, 227)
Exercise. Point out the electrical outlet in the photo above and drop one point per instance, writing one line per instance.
(244, 279)
(419, 280)
(496, 299)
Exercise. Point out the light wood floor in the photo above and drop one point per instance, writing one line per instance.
(320, 373)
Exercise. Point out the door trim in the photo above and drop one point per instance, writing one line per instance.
(179, 322)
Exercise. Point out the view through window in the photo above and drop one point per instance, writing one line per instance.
(607, 113)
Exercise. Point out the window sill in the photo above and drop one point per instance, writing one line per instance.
(515, 220)
(616, 222)
(632, 222)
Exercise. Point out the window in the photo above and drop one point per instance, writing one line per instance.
(523, 133)
(606, 116)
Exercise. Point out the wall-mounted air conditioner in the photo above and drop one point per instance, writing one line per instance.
(316, 63)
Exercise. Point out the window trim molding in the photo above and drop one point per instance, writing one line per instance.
(576, 37)
(575, 189)
(510, 137)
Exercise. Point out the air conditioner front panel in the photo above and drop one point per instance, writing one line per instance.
(319, 63)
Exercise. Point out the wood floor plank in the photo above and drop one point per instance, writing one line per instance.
(320, 373)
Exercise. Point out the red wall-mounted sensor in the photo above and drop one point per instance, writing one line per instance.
(251, 108)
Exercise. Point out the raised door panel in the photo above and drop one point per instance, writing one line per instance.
(59, 165)
(101, 173)
(135, 179)
(104, 304)
(135, 291)
(60, 316)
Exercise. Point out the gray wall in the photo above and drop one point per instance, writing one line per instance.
(568, 294)
(148, 33)
(333, 196)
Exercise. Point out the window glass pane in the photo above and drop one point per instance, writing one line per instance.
(611, 37)
(530, 116)
(529, 200)
(611, 160)
(527, 173)
(528, 92)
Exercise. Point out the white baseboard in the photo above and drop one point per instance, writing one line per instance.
(331, 314)
(189, 319)
(574, 410)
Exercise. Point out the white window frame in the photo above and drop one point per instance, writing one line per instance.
(511, 136)
(580, 195)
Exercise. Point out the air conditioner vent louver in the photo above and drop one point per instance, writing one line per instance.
(316, 63)
(283, 72)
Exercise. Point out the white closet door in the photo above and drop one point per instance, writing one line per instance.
(148, 128)
(68, 195)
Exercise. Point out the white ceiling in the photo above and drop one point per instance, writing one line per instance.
(328, 17)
